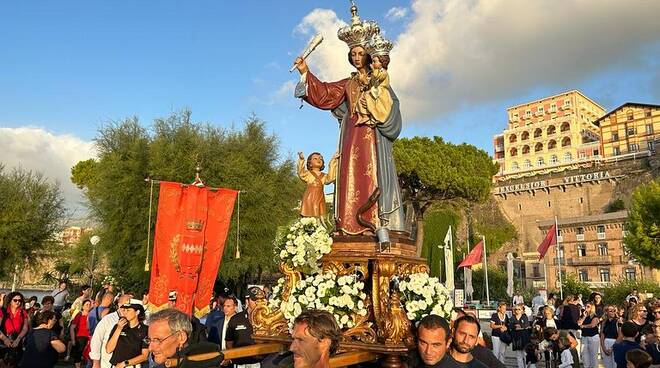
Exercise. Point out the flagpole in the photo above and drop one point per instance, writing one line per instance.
(483, 239)
(467, 242)
(561, 289)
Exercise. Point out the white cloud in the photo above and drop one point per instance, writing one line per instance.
(53, 155)
(330, 59)
(396, 13)
(457, 53)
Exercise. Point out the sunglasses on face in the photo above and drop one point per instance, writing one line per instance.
(17, 300)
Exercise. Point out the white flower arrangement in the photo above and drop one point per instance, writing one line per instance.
(109, 280)
(422, 295)
(306, 241)
(341, 296)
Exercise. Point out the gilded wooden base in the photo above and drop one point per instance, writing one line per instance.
(386, 328)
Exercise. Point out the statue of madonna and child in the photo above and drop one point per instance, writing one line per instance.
(367, 194)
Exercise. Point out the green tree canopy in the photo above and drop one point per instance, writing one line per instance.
(31, 214)
(643, 226)
(247, 159)
(432, 170)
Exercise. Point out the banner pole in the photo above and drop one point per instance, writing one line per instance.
(561, 288)
(483, 239)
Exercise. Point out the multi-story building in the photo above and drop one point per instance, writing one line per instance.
(632, 128)
(547, 135)
(72, 234)
(591, 247)
(557, 157)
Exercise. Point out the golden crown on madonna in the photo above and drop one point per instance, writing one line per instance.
(359, 32)
(378, 46)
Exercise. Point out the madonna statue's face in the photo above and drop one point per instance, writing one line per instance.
(358, 57)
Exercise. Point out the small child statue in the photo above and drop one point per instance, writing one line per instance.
(372, 106)
(313, 201)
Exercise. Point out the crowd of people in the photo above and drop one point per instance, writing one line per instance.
(114, 329)
(574, 332)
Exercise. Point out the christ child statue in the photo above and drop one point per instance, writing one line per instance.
(313, 201)
(375, 93)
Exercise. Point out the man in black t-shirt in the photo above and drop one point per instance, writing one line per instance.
(464, 337)
(239, 329)
(433, 335)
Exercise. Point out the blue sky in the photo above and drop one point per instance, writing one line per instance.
(69, 67)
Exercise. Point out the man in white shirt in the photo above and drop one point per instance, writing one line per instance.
(97, 353)
(230, 309)
(518, 299)
(538, 301)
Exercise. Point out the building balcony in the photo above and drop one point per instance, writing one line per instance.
(601, 236)
(585, 261)
(499, 148)
(598, 284)
(579, 237)
(589, 260)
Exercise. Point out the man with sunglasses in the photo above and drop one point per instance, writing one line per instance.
(169, 332)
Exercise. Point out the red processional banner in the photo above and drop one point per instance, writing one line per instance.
(191, 229)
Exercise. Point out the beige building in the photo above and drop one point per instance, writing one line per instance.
(591, 247)
(630, 129)
(547, 135)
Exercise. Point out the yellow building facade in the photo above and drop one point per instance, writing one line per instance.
(549, 134)
(632, 128)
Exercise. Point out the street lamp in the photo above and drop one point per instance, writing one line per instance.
(93, 241)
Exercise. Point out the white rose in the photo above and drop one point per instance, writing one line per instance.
(344, 319)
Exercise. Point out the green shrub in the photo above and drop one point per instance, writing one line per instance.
(572, 286)
(616, 293)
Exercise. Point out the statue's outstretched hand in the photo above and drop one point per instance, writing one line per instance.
(301, 156)
(301, 65)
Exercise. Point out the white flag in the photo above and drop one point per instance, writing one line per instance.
(509, 274)
(449, 260)
(467, 273)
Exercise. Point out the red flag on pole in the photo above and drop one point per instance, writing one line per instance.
(550, 239)
(476, 256)
(191, 230)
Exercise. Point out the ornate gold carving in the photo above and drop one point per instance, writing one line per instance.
(363, 331)
(267, 322)
(397, 326)
(340, 268)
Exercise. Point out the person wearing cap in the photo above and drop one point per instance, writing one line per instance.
(239, 330)
(126, 341)
(199, 331)
(100, 358)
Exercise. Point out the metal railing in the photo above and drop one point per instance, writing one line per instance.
(590, 260)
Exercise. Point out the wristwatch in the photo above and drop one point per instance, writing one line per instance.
(126, 363)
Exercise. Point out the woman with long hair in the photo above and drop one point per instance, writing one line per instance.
(597, 299)
(639, 316)
(588, 323)
(520, 333)
(609, 332)
(80, 333)
(42, 345)
(14, 328)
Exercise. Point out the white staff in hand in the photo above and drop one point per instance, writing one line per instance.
(308, 50)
